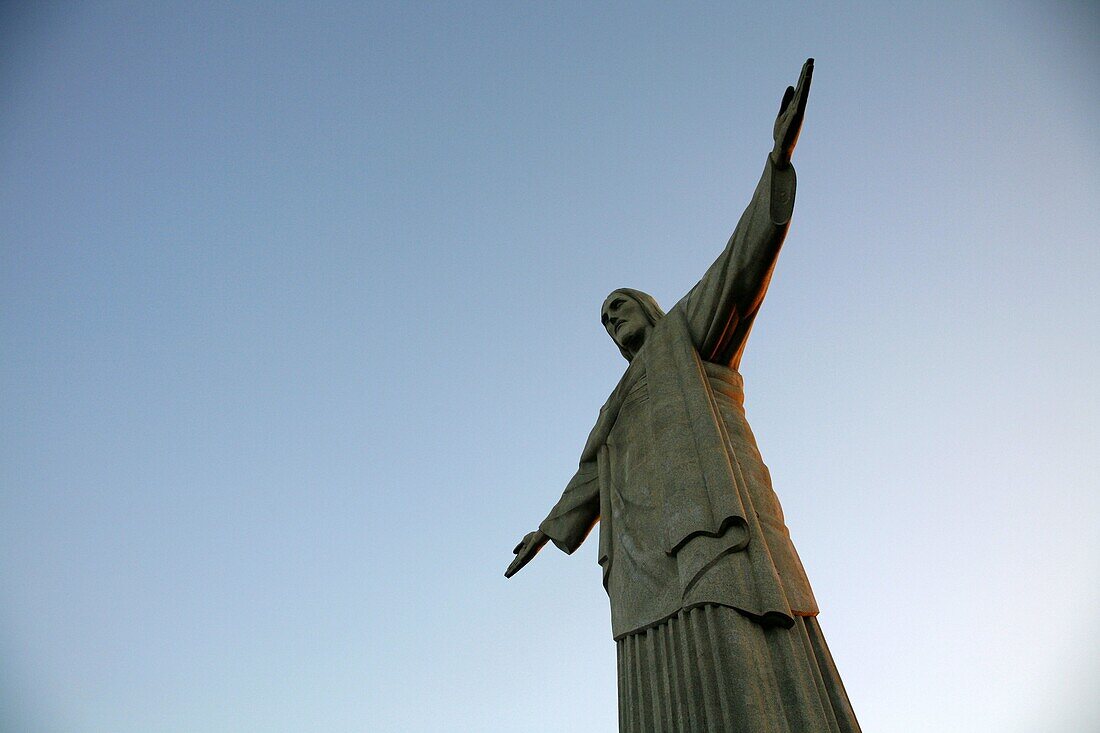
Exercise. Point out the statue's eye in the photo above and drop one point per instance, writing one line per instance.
(616, 303)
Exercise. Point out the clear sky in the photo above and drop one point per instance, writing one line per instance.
(299, 323)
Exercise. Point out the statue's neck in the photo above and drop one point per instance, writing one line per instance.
(635, 345)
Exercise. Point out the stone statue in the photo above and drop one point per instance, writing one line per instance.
(712, 614)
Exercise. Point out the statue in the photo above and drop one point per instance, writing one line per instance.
(713, 617)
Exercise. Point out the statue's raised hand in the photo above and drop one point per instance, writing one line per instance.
(527, 548)
(791, 111)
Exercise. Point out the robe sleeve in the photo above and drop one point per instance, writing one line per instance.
(577, 512)
(721, 307)
(578, 509)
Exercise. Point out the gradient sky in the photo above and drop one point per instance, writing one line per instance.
(299, 316)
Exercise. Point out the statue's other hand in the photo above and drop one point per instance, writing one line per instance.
(791, 112)
(527, 548)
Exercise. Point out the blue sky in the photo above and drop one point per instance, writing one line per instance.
(299, 314)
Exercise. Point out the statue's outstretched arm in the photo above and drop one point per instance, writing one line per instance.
(568, 523)
(576, 512)
(721, 307)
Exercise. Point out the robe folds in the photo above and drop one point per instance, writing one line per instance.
(713, 616)
(685, 519)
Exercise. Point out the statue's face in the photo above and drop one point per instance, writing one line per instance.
(625, 321)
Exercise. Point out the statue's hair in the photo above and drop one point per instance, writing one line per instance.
(648, 305)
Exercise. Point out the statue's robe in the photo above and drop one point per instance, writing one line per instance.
(712, 613)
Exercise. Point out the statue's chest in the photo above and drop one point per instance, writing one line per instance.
(632, 414)
(630, 445)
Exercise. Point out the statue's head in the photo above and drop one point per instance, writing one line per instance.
(629, 315)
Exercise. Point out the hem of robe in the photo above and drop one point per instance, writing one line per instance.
(710, 669)
(766, 619)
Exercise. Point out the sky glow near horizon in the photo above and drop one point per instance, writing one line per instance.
(299, 309)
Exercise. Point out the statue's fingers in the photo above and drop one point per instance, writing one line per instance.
(516, 565)
(804, 80)
(803, 95)
(807, 72)
(518, 548)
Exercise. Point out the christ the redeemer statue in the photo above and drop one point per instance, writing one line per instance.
(714, 620)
